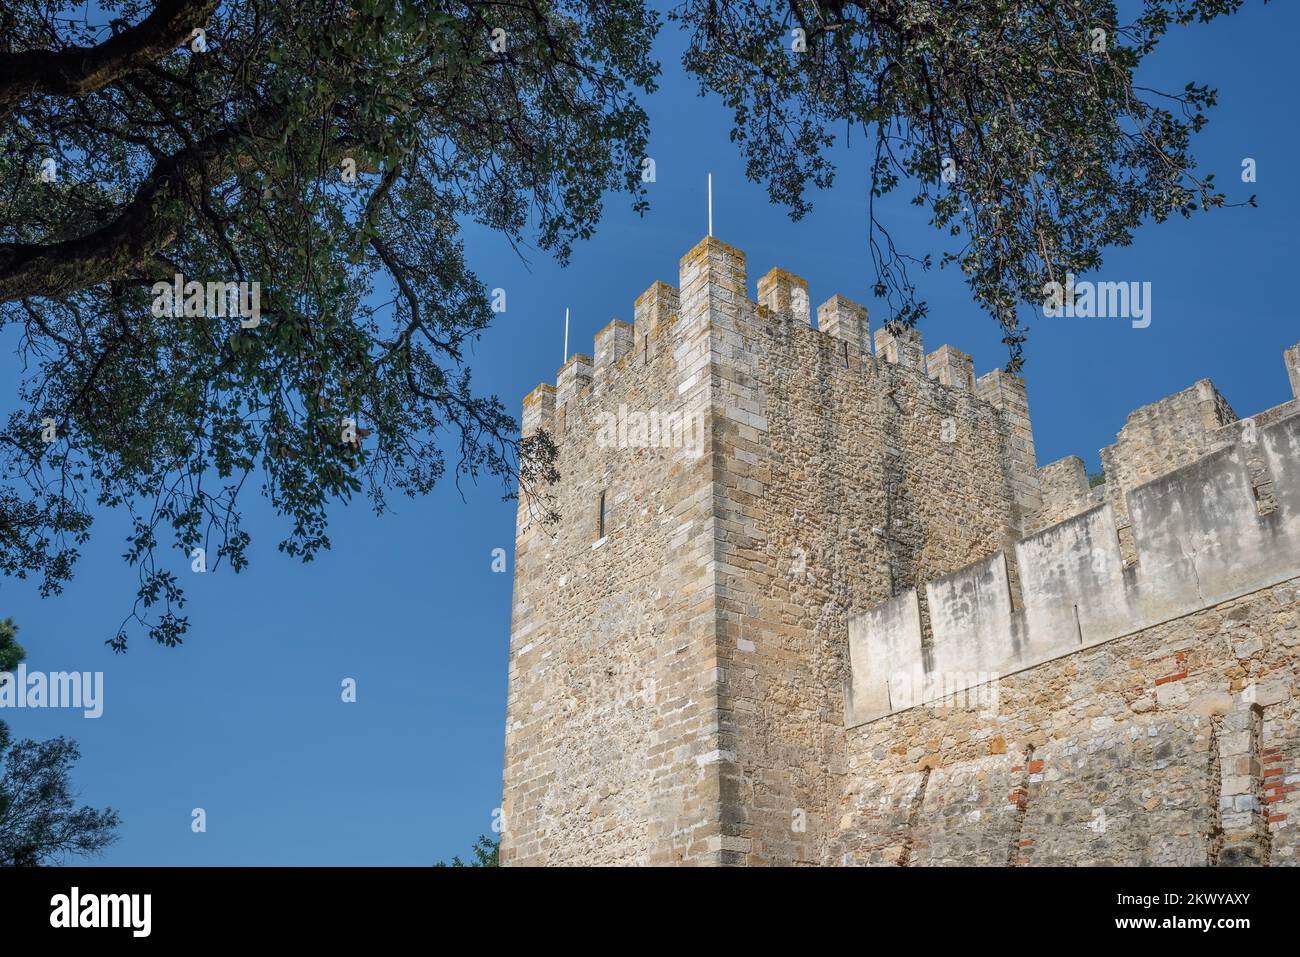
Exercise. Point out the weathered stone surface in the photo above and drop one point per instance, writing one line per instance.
(685, 686)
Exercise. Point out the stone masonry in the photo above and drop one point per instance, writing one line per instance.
(807, 604)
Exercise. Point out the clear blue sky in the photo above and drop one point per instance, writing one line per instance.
(245, 720)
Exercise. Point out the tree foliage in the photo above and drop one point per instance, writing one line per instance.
(485, 853)
(226, 158)
(10, 651)
(141, 149)
(1053, 150)
(39, 820)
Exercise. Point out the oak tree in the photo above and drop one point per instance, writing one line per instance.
(1018, 125)
(329, 151)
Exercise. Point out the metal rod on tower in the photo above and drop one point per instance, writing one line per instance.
(566, 335)
(710, 204)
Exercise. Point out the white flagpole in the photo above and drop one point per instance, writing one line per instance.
(710, 204)
(566, 335)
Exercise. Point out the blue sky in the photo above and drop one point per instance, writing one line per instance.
(245, 719)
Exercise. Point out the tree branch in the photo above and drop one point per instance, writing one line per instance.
(145, 226)
(80, 70)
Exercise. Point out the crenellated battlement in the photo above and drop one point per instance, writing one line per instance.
(1223, 525)
(782, 296)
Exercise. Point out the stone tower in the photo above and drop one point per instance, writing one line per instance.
(807, 604)
(734, 483)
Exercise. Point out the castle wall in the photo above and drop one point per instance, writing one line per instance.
(1065, 492)
(1179, 744)
(676, 690)
(1156, 440)
(1006, 393)
(839, 479)
(1145, 712)
(611, 712)
(1201, 538)
(1161, 437)
(778, 554)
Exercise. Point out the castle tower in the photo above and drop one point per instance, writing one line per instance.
(733, 483)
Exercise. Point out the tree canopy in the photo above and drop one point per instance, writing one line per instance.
(40, 823)
(326, 155)
(39, 820)
(1018, 125)
(329, 151)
